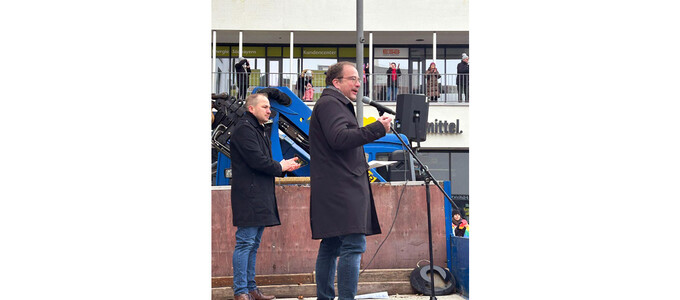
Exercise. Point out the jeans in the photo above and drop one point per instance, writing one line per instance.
(245, 252)
(349, 249)
(392, 93)
(463, 89)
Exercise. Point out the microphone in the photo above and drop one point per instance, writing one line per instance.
(381, 108)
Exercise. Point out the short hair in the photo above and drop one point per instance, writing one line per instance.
(252, 99)
(335, 71)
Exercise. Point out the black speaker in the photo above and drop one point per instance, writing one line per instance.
(411, 118)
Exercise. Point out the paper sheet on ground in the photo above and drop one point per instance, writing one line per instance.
(379, 295)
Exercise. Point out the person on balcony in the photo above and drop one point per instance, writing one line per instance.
(463, 79)
(432, 82)
(393, 74)
(304, 78)
(367, 82)
(242, 77)
(309, 87)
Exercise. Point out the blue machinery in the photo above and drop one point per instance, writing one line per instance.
(289, 138)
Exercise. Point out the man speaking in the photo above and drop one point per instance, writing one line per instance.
(342, 211)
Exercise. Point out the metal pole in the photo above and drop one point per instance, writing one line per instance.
(434, 47)
(290, 81)
(214, 58)
(360, 60)
(240, 44)
(429, 234)
(370, 61)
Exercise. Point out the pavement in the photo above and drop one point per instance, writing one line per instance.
(403, 297)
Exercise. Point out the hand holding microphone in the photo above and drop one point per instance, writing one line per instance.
(386, 121)
(381, 108)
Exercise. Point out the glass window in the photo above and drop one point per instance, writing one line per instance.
(318, 66)
(452, 66)
(224, 69)
(288, 74)
(456, 53)
(274, 74)
(257, 73)
(440, 52)
(417, 52)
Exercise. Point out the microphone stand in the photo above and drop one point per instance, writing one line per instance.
(428, 178)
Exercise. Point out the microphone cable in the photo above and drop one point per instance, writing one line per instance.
(396, 213)
(389, 231)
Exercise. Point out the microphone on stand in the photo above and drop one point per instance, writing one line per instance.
(381, 108)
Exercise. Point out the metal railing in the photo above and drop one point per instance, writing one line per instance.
(448, 88)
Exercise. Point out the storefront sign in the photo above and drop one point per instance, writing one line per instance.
(248, 52)
(320, 52)
(222, 50)
(391, 52)
(444, 127)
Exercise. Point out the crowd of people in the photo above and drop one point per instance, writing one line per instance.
(304, 84)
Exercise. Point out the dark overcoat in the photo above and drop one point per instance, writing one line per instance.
(242, 75)
(253, 201)
(463, 77)
(341, 200)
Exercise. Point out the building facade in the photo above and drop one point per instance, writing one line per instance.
(284, 39)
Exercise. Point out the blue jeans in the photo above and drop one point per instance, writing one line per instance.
(245, 252)
(348, 248)
(391, 93)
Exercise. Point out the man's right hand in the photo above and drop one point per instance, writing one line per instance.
(288, 165)
(385, 121)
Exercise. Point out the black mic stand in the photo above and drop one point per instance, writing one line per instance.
(428, 178)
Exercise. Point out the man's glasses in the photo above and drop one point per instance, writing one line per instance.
(353, 78)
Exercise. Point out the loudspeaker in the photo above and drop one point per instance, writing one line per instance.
(411, 118)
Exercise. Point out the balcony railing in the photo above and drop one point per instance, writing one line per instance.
(446, 89)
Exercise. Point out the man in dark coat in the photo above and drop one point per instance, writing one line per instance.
(342, 211)
(463, 79)
(253, 202)
(242, 77)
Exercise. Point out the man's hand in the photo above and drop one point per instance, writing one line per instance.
(288, 165)
(386, 121)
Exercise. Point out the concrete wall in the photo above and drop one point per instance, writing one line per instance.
(289, 249)
(340, 15)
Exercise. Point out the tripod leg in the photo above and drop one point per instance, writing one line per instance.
(429, 233)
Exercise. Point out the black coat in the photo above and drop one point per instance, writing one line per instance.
(341, 200)
(391, 82)
(242, 73)
(463, 77)
(253, 202)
